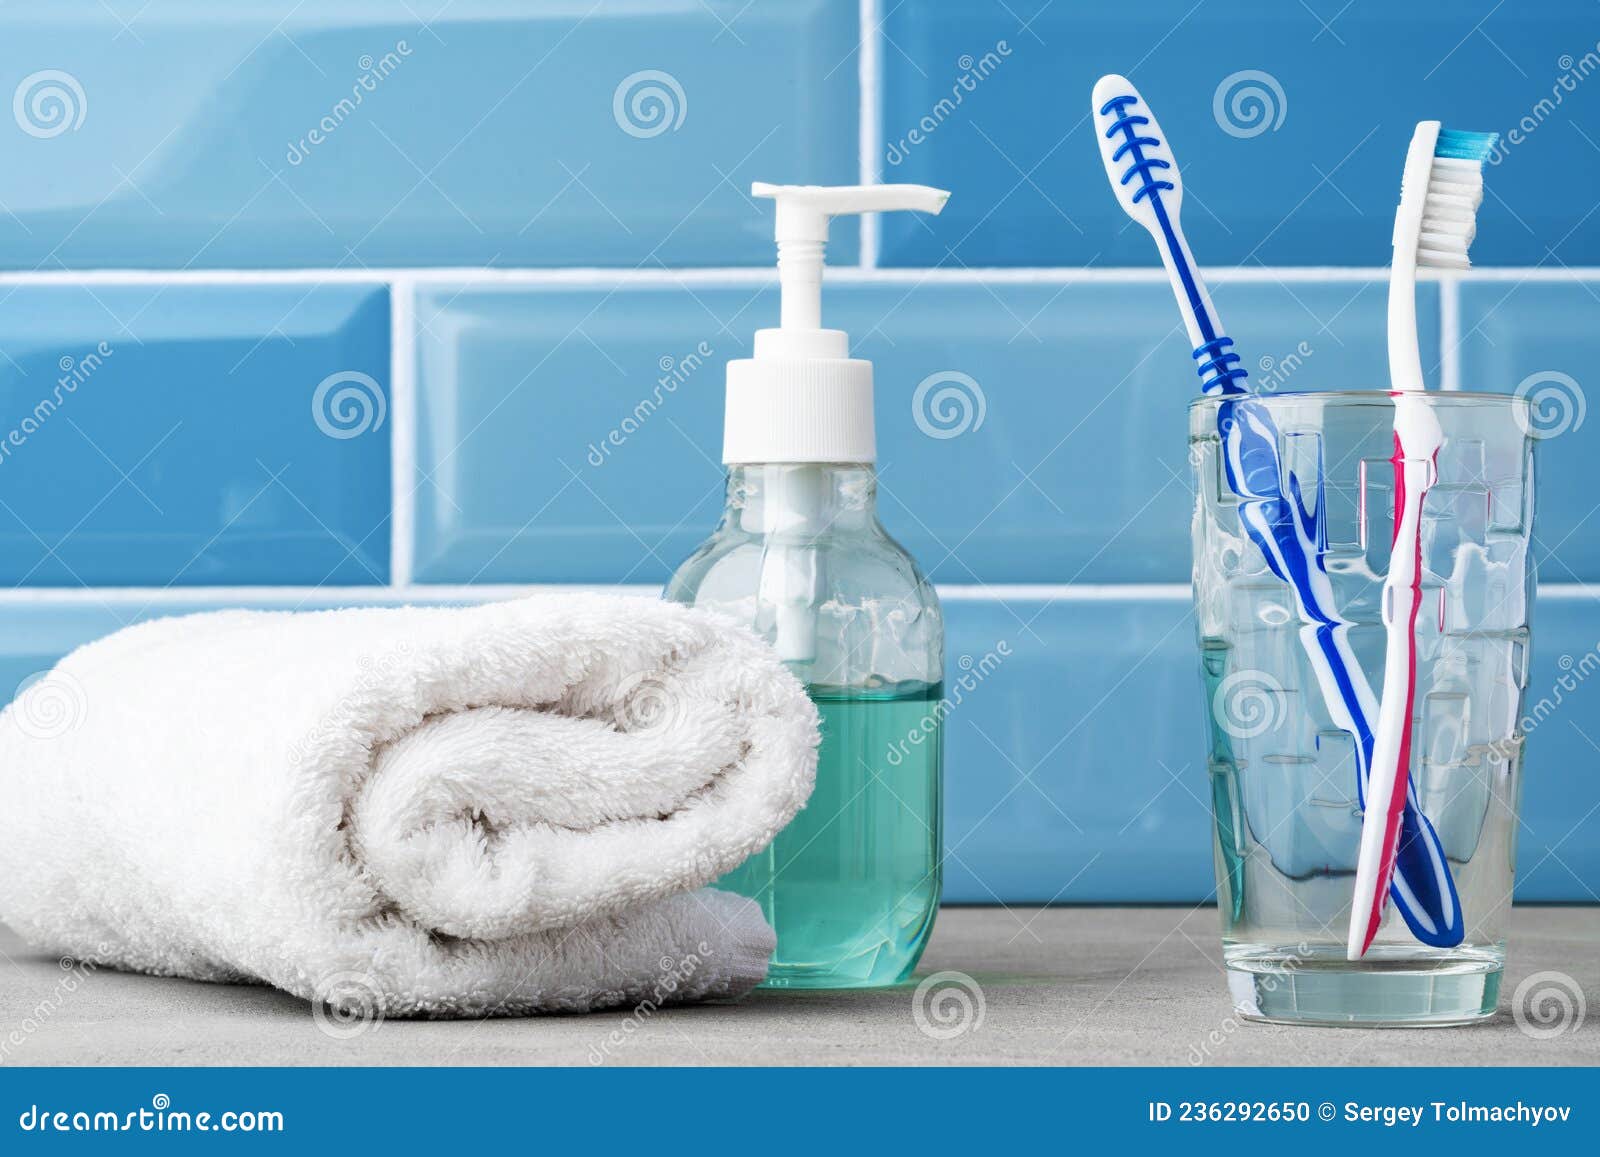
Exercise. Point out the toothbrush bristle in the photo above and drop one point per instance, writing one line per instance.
(1464, 146)
(1455, 190)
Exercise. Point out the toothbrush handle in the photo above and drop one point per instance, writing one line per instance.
(1194, 300)
(1405, 353)
(1216, 363)
(1389, 782)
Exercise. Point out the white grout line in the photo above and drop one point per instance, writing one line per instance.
(1061, 592)
(402, 430)
(1135, 275)
(294, 595)
(757, 274)
(440, 275)
(454, 592)
(194, 276)
(870, 133)
(1449, 334)
(1568, 591)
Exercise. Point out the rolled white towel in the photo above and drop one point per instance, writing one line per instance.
(498, 809)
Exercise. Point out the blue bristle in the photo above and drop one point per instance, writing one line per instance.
(1463, 146)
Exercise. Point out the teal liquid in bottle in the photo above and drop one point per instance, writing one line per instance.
(853, 882)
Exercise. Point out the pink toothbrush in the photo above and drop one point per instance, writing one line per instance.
(1440, 192)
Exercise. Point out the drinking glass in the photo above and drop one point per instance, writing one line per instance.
(1282, 768)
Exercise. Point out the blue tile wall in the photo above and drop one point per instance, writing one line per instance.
(488, 132)
(1032, 752)
(1558, 850)
(182, 434)
(1540, 340)
(1062, 459)
(441, 132)
(1305, 170)
(520, 396)
(1075, 768)
(212, 215)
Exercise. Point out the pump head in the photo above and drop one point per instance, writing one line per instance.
(801, 229)
(802, 398)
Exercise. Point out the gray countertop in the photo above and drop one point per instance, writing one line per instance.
(1059, 986)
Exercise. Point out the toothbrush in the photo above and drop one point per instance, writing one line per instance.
(1440, 191)
(1145, 178)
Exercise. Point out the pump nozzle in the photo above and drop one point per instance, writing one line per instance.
(804, 210)
(802, 401)
(803, 214)
(801, 397)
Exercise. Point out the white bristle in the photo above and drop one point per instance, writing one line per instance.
(1440, 208)
(1437, 259)
(1450, 213)
(1433, 227)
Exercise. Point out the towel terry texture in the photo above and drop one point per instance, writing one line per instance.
(499, 809)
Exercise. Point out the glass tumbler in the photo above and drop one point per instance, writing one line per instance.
(1283, 760)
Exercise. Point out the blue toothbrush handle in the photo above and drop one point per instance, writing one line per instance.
(1423, 888)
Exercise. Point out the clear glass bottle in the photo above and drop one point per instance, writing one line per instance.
(852, 884)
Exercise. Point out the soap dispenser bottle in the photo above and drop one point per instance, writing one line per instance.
(852, 885)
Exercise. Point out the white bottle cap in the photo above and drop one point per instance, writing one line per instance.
(802, 397)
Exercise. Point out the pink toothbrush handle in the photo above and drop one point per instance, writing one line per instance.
(1389, 780)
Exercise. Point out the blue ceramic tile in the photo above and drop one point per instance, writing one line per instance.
(1062, 783)
(1025, 432)
(193, 434)
(570, 436)
(1304, 169)
(1075, 753)
(1540, 340)
(1075, 769)
(1078, 470)
(439, 132)
(1558, 844)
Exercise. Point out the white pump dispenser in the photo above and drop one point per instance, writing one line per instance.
(803, 401)
(802, 397)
